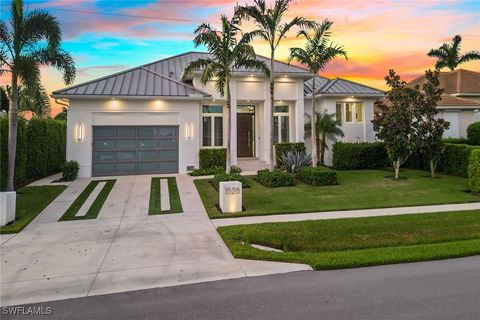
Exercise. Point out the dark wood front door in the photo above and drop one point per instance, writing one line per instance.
(245, 135)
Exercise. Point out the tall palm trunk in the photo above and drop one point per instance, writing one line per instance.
(229, 129)
(323, 145)
(270, 111)
(314, 126)
(12, 132)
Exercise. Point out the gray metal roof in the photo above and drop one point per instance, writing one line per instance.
(159, 78)
(319, 83)
(340, 86)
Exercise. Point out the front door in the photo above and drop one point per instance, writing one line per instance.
(245, 135)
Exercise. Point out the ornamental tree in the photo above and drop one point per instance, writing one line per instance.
(396, 122)
(430, 129)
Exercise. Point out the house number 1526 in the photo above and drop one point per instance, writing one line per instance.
(232, 190)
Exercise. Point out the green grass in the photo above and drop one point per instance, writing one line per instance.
(359, 242)
(357, 189)
(175, 203)
(30, 202)
(94, 209)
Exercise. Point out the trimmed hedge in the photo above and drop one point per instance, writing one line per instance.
(455, 140)
(40, 149)
(365, 155)
(211, 158)
(274, 179)
(319, 176)
(220, 177)
(455, 159)
(70, 170)
(473, 133)
(474, 171)
(281, 148)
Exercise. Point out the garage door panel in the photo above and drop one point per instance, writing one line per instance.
(134, 149)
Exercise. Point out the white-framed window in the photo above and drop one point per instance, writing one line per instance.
(212, 126)
(281, 128)
(353, 111)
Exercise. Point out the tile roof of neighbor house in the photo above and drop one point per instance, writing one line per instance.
(455, 82)
(452, 101)
(159, 78)
(340, 86)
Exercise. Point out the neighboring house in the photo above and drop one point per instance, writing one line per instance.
(460, 104)
(146, 120)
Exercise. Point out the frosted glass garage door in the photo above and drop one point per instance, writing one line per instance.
(134, 150)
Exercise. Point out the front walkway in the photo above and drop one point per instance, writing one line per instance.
(123, 249)
(344, 214)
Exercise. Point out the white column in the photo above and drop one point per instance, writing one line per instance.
(368, 114)
(233, 110)
(299, 114)
(266, 123)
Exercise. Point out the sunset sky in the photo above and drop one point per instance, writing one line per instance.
(108, 36)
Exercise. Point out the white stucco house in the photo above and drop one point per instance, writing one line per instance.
(146, 120)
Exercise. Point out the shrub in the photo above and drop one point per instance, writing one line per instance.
(70, 170)
(473, 134)
(319, 176)
(274, 179)
(40, 149)
(294, 160)
(474, 171)
(206, 172)
(365, 155)
(455, 140)
(211, 158)
(455, 159)
(235, 169)
(282, 148)
(220, 177)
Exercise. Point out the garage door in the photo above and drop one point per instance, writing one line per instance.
(125, 150)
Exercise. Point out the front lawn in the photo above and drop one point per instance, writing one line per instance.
(357, 189)
(358, 242)
(30, 202)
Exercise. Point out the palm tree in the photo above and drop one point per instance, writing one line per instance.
(318, 52)
(33, 39)
(270, 28)
(327, 128)
(448, 55)
(228, 53)
(34, 100)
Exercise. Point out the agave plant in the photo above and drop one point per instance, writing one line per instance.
(294, 160)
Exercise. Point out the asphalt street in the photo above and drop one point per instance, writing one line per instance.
(447, 289)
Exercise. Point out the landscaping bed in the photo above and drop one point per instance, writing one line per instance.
(30, 202)
(356, 189)
(175, 203)
(96, 206)
(358, 242)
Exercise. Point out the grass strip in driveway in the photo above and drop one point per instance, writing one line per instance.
(175, 203)
(30, 202)
(96, 206)
(359, 242)
(357, 189)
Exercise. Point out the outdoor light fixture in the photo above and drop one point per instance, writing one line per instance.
(189, 130)
(79, 132)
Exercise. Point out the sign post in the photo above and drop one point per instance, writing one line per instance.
(230, 196)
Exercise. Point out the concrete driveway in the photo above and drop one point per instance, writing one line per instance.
(123, 249)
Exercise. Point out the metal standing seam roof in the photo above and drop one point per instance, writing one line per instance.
(159, 78)
(340, 86)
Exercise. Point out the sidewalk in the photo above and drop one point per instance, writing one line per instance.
(344, 214)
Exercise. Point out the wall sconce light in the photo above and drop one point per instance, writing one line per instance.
(189, 130)
(79, 132)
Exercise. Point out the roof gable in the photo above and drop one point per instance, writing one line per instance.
(339, 86)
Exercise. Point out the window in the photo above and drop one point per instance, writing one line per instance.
(280, 124)
(338, 112)
(212, 126)
(348, 111)
(358, 112)
(353, 111)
